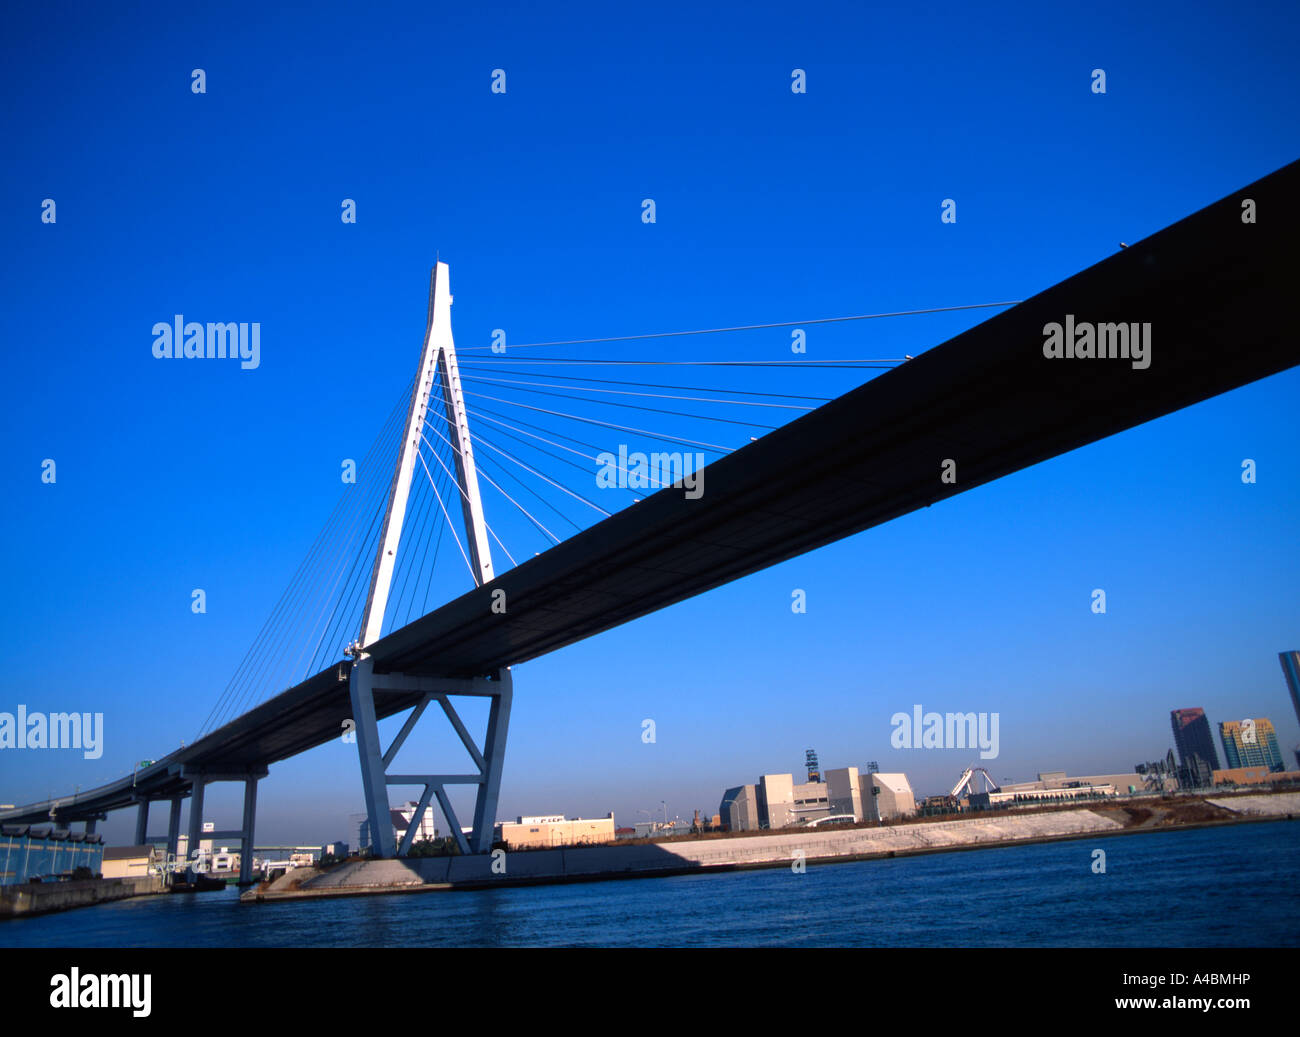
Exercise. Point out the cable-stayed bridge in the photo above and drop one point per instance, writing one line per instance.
(1211, 295)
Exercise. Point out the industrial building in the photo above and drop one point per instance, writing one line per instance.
(1124, 783)
(404, 815)
(844, 792)
(775, 801)
(555, 830)
(28, 852)
(1250, 743)
(1050, 787)
(890, 795)
(400, 818)
(739, 809)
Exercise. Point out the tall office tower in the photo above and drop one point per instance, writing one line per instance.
(1251, 743)
(1192, 736)
(1291, 669)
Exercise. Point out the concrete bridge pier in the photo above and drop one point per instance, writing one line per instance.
(196, 817)
(246, 836)
(142, 822)
(199, 780)
(174, 828)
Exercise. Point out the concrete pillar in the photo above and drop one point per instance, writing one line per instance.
(246, 840)
(142, 823)
(374, 786)
(174, 827)
(494, 755)
(196, 816)
(90, 825)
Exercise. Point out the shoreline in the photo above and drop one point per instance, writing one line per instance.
(569, 865)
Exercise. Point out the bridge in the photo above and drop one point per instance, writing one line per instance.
(1215, 290)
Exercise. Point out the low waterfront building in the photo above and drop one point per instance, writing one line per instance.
(555, 830)
(129, 862)
(1125, 782)
(1058, 787)
(1039, 797)
(223, 860)
(1253, 776)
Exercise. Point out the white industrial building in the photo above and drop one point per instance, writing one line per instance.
(890, 796)
(775, 801)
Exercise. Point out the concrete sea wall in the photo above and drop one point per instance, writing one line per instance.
(38, 898)
(620, 861)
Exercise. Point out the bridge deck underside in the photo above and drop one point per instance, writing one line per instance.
(1215, 291)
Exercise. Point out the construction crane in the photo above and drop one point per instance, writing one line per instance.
(967, 776)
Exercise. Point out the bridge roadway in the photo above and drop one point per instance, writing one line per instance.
(1218, 295)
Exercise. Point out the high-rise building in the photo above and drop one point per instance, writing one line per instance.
(1193, 738)
(1251, 743)
(1291, 670)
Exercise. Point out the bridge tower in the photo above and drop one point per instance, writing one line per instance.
(437, 363)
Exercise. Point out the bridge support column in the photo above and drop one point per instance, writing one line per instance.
(494, 755)
(174, 829)
(142, 823)
(373, 785)
(375, 779)
(196, 817)
(90, 825)
(246, 839)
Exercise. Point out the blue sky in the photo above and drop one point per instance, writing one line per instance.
(771, 207)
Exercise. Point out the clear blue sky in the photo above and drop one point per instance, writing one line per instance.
(771, 206)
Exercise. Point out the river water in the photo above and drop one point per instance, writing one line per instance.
(1229, 886)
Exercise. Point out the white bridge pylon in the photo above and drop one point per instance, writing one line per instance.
(437, 364)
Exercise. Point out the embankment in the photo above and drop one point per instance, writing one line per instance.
(777, 849)
(36, 898)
